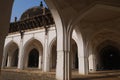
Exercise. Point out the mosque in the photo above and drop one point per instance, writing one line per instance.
(66, 37)
(31, 42)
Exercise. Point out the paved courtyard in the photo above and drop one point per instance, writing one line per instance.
(8, 74)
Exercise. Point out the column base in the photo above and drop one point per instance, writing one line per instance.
(83, 66)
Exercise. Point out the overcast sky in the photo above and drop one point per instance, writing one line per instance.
(20, 6)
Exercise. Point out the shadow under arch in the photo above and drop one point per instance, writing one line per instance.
(108, 55)
(33, 58)
(106, 36)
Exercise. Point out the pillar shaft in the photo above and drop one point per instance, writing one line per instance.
(63, 70)
(4, 59)
(9, 61)
(40, 62)
(83, 65)
(21, 56)
(46, 64)
(92, 65)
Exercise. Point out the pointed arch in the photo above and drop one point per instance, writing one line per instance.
(53, 53)
(95, 44)
(11, 52)
(28, 47)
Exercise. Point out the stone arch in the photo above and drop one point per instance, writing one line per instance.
(75, 50)
(63, 42)
(82, 54)
(53, 54)
(108, 55)
(30, 45)
(58, 22)
(104, 36)
(11, 52)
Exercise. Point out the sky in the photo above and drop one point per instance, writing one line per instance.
(21, 6)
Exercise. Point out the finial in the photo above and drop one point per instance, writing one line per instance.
(41, 4)
(15, 19)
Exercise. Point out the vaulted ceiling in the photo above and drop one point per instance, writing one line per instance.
(88, 10)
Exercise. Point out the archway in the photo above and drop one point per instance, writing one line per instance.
(33, 58)
(53, 55)
(109, 58)
(11, 55)
(15, 58)
(33, 54)
(74, 56)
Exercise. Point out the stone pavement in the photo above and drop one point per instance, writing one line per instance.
(13, 74)
(100, 75)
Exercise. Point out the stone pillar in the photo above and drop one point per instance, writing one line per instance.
(9, 61)
(21, 55)
(4, 59)
(92, 66)
(46, 56)
(40, 62)
(83, 65)
(63, 71)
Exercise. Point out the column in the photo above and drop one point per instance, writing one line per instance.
(9, 61)
(92, 66)
(63, 71)
(46, 56)
(4, 59)
(21, 55)
(40, 62)
(72, 60)
(83, 65)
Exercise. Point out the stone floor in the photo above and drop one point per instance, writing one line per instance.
(100, 75)
(30, 74)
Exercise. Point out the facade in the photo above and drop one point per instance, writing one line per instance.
(93, 25)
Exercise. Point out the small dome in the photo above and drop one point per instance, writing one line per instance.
(34, 11)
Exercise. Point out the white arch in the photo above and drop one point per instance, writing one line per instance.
(5, 53)
(50, 50)
(30, 44)
(82, 51)
(63, 42)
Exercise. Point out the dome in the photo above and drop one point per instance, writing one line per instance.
(34, 11)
